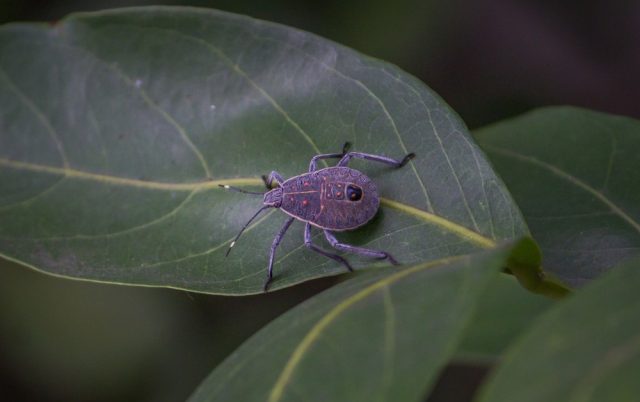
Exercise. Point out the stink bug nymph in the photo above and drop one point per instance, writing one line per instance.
(333, 199)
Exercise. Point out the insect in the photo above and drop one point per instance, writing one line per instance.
(333, 199)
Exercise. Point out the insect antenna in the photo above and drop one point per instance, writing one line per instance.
(239, 190)
(233, 243)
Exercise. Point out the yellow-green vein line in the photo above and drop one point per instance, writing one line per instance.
(314, 333)
(165, 186)
(372, 96)
(103, 281)
(212, 249)
(446, 224)
(28, 201)
(572, 179)
(122, 181)
(236, 68)
(453, 170)
(153, 105)
(474, 151)
(181, 131)
(34, 109)
(395, 130)
(130, 230)
(444, 152)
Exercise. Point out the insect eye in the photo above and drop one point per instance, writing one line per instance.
(354, 193)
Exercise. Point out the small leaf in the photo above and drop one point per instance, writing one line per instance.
(587, 348)
(117, 128)
(576, 176)
(383, 335)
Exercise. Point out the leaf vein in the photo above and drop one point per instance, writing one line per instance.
(453, 171)
(123, 181)
(235, 67)
(38, 113)
(474, 151)
(570, 178)
(35, 197)
(132, 229)
(152, 104)
(166, 186)
(212, 249)
(316, 330)
(372, 95)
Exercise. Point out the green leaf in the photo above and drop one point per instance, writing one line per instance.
(504, 311)
(383, 335)
(118, 126)
(575, 175)
(585, 349)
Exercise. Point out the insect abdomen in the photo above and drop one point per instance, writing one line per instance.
(322, 198)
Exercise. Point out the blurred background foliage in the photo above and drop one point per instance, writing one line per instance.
(64, 340)
(488, 59)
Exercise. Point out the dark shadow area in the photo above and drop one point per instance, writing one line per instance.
(458, 382)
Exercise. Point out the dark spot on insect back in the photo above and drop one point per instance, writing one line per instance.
(354, 193)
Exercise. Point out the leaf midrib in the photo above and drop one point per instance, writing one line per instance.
(316, 330)
(468, 234)
(70, 173)
(235, 68)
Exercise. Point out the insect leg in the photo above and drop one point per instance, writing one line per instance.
(314, 160)
(274, 245)
(307, 242)
(273, 176)
(375, 158)
(358, 250)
